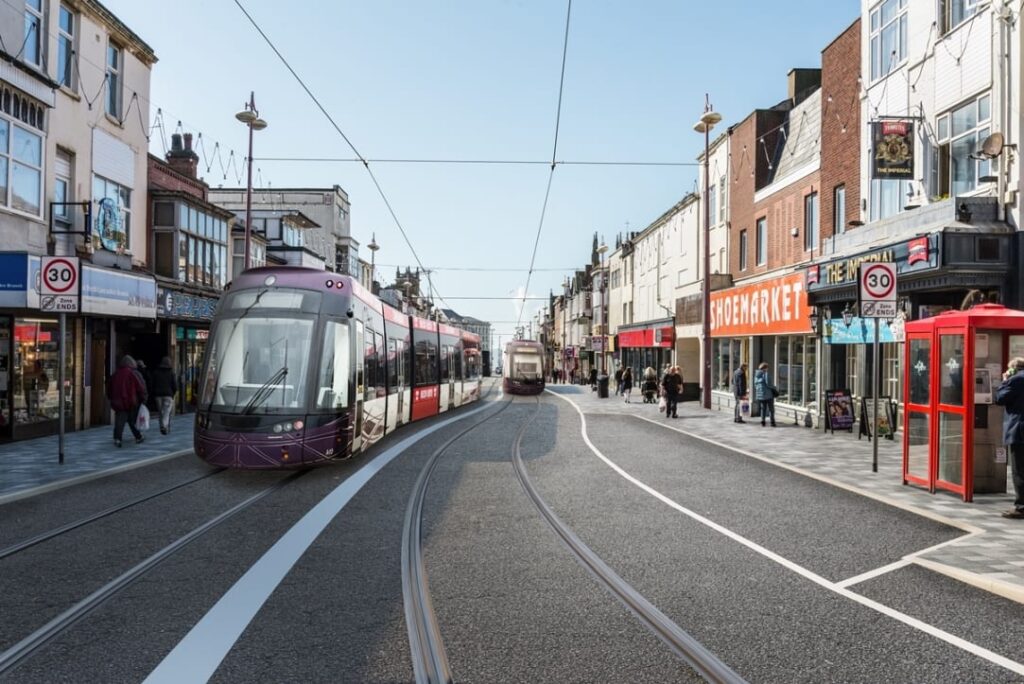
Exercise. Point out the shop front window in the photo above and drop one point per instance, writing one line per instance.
(34, 372)
(782, 374)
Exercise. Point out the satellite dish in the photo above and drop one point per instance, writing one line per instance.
(993, 145)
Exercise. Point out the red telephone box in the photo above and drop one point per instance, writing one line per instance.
(953, 431)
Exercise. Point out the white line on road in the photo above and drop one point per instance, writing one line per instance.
(920, 625)
(198, 655)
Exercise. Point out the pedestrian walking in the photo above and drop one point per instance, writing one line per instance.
(739, 392)
(764, 393)
(618, 381)
(627, 384)
(1010, 395)
(593, 379)
(127, 392)
(164, 386)
(672, 385)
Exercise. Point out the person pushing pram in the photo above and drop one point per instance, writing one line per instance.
(649, 386)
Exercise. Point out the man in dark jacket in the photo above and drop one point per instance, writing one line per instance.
(163, 385)
(739, 391)
(672, 383)
(127, 392)
(1010, 395)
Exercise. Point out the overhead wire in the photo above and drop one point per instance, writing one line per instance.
(366, 163)
(554, 157)
(509, 162)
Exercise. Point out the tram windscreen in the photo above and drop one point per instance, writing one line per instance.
(258, 364)
(526, 366)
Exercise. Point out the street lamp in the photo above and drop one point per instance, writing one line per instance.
(250, 116)
(707, 121)
(604, 311)
(373, 247)
(848, 314)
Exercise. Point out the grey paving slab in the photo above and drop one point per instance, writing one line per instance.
(988, 556)
(32, 465)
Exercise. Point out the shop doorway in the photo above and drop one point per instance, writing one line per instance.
(99, 372)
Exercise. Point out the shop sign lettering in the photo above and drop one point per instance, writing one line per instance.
(776, 306)
(846, 271)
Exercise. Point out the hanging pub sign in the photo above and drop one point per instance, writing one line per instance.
(893, 145)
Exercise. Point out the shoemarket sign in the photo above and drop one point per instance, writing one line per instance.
(770, 307)
(919, 254)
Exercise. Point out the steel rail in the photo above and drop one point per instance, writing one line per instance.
(429, 659)
(14, 655)
(56, 532)
(685, 647)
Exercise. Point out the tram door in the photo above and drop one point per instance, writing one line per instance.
(395, 356)
(360, 361)
(451, 376)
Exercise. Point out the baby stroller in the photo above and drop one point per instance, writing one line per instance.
(650, 390)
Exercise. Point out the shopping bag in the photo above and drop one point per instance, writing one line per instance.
(745, 407)
(142, 422)
(662, 404)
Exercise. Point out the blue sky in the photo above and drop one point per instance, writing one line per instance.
(479, 79)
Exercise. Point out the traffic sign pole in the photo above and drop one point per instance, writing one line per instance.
(59, 289)
(876, 372)
(877, 295)
(61, 400)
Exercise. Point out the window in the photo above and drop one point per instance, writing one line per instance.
(762, 241)
(21, 168)
(33, 49)
(721, 199)
(62, 186)
(839, 210)
(713, 203)
(743, 250)
(952, 13)
(122, 200)
(66, 48)
(114, 71)
(960, 133)
(889, 197)
(811, 221)
(888, 36)
(335, 370)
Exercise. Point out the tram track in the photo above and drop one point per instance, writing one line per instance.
(684, 646)
(116, 508)
(429, 658)
(29, 645)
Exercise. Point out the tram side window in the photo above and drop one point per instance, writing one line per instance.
(394, 359)
(446, 363)
(381, 367)
(457, 359)
(332, 390)
(370, 366)
(426, 359)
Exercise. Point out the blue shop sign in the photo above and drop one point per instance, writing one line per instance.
(861, 331)
(180, 305)
(13, 272)
(118, 293)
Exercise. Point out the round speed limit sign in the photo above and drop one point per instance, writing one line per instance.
(878, 290)
(58, 276)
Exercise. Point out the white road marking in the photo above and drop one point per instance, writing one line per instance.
(920, 625)
(198, 655)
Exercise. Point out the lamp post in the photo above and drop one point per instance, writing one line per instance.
(707, 121)
(373, 247)
(250, 116)
(603, 365)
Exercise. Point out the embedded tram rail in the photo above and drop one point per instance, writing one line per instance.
(116, 508)
(426, 643)
(38, 639)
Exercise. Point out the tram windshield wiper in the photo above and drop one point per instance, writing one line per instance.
(265, 390)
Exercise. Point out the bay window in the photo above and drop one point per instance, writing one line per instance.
(21, 168)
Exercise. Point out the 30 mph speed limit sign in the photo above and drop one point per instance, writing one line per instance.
(59, 284)
(878, 290)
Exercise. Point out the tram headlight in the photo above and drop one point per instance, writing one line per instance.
(269, 280)
(278, 428)
(299, 424)
(287, 427)
(330, 283)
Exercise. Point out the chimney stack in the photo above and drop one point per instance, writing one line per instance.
(183, 159)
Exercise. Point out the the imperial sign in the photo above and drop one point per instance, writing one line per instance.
(892, 143)
(771, 307)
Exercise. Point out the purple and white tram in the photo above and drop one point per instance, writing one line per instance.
(522, 365)
(305, 367)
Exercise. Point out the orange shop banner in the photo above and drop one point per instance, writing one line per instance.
(771, 307)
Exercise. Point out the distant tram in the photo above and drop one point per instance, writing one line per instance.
(306, 367)
(522, 366)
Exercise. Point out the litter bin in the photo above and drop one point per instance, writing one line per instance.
(602, 387)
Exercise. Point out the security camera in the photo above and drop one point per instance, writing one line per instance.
(794, 232)
(350, 313)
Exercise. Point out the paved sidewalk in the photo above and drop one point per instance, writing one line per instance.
(990, 556)
(30, 466)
